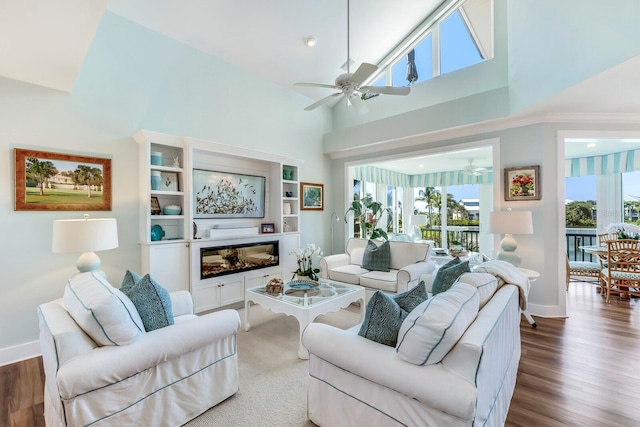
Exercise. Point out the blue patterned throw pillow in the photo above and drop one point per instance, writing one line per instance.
(385, 314)
(377, 258)
(150, 299)
(448, 274)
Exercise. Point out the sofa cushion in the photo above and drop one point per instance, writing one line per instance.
(485, 283)
(152, 302)
(432, 329)
(102, 311)
(385, 314)
(384, 280)
(377, 258)
(448, 274)
(405, 253)
(347, 273)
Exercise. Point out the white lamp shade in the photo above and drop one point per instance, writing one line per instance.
(510, 222)
(84, 235)
(418, 219)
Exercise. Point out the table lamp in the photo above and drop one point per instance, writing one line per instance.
(509, 223)
(416, 221)
(85, 236)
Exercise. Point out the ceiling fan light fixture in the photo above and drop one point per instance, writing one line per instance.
(311, 41)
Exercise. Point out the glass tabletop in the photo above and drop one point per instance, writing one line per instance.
(325, 291)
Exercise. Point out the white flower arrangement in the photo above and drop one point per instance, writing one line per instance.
(305, 258)
(623, 230)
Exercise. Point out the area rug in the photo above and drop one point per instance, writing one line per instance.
(273, 381)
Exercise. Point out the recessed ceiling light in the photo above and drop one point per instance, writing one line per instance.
(420, 166)
(591, 144)
(311, 41)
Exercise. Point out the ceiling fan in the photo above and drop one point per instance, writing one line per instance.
(470, 169)
(349, 83)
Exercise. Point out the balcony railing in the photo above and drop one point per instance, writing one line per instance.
(574, 239)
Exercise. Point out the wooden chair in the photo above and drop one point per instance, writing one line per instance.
(578, 270)
(622, 274)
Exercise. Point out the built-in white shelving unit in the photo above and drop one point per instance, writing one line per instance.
(174, 259)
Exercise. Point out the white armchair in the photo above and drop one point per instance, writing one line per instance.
(164, 378)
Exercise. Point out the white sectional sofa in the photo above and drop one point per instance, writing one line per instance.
(162, 378)
(357, 381)
(408, 261)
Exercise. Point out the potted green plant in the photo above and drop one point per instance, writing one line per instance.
(370, 213)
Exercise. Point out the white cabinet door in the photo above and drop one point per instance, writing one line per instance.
(168, 264)
(260, 280)
(231, 292)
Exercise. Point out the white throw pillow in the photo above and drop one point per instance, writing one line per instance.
(432, 329)
(102, 311)
(485, 283)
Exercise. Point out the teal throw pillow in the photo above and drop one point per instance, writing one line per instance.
(151, 300)
(447, 276)
(377, 258)
(385, 314)
(130, 279)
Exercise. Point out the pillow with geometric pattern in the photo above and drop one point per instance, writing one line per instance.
(377, 258)
(151, 300)
(385, 314)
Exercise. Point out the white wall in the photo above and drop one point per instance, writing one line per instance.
(132, 79)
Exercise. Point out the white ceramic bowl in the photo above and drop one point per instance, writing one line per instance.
(172, 210)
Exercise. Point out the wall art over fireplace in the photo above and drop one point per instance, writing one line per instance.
(227, 195)
(46, 181)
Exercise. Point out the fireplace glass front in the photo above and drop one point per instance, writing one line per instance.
(221, 260)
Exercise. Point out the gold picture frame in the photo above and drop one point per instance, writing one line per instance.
(311, 196)
(47, 181)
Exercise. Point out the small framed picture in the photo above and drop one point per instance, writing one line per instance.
(312, 196)
(169, 181)
(155, 206)
(268, 227)
(522, 183)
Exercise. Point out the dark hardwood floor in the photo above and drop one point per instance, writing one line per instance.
(579, 371)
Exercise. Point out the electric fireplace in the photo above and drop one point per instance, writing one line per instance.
(230, 259)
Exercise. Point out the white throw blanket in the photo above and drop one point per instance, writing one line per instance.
(510, 274)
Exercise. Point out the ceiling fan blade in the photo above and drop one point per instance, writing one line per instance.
(363, 72)
(317, 85)
(323, 101)
(387, 90)
(358, 104)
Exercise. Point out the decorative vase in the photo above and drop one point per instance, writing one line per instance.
(286, 208)
(156, 180)
(287, 173)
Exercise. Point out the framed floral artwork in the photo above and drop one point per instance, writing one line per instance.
(522, 183)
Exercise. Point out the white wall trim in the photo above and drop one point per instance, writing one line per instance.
(546, 310)
(20, 352)
(485, 127)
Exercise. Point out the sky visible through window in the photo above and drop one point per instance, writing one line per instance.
(457, 50)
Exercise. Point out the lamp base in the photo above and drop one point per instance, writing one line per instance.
(88, 261)
(511, 257)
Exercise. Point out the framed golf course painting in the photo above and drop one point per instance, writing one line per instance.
(46, 181)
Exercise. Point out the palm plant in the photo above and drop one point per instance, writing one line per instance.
(369, 213)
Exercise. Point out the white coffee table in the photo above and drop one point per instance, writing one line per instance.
(305, 306)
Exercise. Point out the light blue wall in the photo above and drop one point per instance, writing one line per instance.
(570, 41)
(133, 79)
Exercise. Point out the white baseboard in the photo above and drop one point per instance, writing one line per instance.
(546, 310)
(19, 352)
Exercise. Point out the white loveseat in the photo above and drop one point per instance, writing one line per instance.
(408, 262)
(163, 378)
(356, 381)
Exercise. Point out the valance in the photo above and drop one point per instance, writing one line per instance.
(437, 179)
(624, 161)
